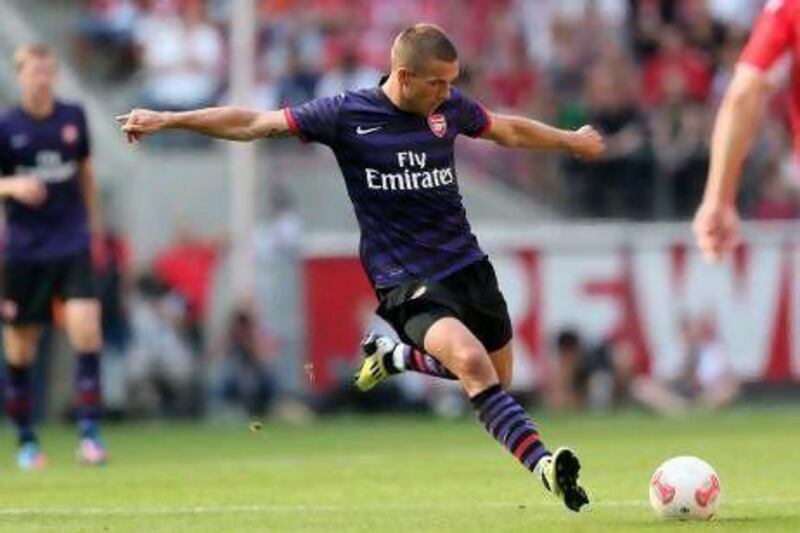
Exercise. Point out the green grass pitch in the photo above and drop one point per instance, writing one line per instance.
(399, 474)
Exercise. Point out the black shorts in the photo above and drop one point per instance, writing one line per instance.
(470, 295)
(29, 288)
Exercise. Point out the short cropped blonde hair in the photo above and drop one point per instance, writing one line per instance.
(25, 52)
(420, 43)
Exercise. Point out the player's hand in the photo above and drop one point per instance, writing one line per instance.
(587, 143)
(716, 228)
(29, 190)
(140, 122)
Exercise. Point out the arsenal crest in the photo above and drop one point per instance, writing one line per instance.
(69, 134)
(437, 124)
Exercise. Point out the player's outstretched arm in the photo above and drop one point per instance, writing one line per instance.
(520, 132)
(716, 224)
(232, 123)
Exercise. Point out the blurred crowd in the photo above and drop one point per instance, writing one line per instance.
(192, 349)
(161, 356)
(582, 373)
(647, 73)
(170, 352)
(173, 346)
(604, 374)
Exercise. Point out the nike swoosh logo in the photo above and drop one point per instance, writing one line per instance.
(364, 131)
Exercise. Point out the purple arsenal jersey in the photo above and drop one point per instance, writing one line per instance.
(400, 174)
(52, 150)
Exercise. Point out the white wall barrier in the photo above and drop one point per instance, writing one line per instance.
(630, 281)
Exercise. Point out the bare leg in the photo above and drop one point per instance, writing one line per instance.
(459, 350)
(503, 362)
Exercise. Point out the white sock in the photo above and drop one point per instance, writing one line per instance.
(538, 470)
(398, 357)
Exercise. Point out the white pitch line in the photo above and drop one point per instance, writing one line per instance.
(292, 462)
(301, 508)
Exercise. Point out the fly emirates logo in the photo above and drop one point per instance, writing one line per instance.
(412, 175)
(49, 167)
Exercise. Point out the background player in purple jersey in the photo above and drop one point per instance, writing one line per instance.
(394, 145)
(47, 182)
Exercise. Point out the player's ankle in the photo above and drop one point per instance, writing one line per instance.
(27, 437)
(394, 359)
(88, 429)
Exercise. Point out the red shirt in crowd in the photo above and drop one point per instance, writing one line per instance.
(188, 268)
(689, 65)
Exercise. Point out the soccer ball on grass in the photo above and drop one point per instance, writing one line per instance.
(686, 488)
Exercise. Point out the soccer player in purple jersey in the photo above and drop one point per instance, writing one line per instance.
(394, 145)
(48, 187)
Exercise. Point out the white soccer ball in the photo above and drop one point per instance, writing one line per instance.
(686, 488)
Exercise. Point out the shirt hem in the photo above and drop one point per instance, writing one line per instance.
(460, 265)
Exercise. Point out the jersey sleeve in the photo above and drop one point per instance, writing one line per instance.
(473, 119)
(85, 141)
(772, 35)
(316, 120)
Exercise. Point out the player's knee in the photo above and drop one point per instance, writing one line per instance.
(86, 339)
(20, 346)
(89, 343)
(20, 355)
(473, 363)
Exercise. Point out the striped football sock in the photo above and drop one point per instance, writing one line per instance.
(18, 402)
(508, 423)
(88, 395)
(408, 358)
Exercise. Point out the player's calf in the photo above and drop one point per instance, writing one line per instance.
(511, 426)
(88, 394)
(19, 402)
